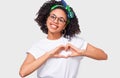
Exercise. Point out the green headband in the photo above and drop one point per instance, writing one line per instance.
(70, 14)
(55, 6)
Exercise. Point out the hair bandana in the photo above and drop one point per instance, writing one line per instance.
(64, 5)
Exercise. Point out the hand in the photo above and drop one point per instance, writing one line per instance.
(69, 47)
(75, 51)
(56, 52)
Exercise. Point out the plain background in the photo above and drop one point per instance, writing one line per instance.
(99, 21)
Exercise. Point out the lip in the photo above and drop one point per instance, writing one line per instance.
(53, 26)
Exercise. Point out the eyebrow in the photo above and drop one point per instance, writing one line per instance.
(58, 17)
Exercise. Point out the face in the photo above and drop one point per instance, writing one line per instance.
(56, 21)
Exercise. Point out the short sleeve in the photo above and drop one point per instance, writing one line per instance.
(79, 42)
(84, 45)
(35, 51)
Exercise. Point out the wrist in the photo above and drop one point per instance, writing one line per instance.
(48, 54)
(83, 52)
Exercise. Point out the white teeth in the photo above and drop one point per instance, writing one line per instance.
(53, 26)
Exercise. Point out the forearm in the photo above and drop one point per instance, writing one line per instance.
(94, 53)
(29, 68)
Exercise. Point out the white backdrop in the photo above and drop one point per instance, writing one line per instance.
(99, 21)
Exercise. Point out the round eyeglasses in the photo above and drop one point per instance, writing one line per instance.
(60, 20)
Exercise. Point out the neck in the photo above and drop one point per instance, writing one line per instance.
(52, 36)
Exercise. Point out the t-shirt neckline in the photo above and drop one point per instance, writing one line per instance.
(50, 40)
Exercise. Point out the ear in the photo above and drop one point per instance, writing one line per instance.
(64, 26)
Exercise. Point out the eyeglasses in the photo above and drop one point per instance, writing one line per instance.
(60, 20)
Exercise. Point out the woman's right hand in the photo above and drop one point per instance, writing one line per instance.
(56, 52)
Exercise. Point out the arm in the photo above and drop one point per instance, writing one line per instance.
(94, 53)
(31, 64)
(91, 52)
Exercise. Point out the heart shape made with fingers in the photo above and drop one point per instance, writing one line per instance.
(70, 50)
(66, 53)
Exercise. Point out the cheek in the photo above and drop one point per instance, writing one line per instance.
(63, 27)
(47, 23)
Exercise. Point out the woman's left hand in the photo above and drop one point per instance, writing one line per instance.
(75, 51)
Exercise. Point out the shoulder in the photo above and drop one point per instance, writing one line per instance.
(38, 43)
(77, 39)
(79, 42)
(36, 48)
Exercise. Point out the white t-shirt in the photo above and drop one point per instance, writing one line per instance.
(57, 67)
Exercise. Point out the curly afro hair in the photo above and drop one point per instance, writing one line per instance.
(72, 27)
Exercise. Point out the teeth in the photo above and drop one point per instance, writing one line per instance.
(53, 26)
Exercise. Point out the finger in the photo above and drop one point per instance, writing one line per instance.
(67, 47)
(70, 45)
(59, 48)
(70, 55)
(82, 50)
(60, 56)
(74, 48)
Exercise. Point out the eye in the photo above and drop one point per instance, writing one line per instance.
(53, 17)
(61, 20)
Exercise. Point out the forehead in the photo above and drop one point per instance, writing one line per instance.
(59, 12)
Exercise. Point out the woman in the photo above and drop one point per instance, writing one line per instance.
(58, 55)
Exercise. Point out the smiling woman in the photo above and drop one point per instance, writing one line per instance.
(56, 22)
(58, 55)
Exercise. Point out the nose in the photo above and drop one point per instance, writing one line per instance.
(56, 20)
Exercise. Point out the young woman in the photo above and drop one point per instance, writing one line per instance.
(58, 55)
